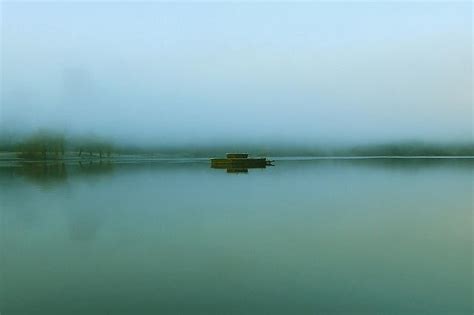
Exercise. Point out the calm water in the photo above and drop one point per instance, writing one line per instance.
(303, 237)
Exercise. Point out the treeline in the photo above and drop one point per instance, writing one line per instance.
(42, 145)
(411, 149)
(46, 144)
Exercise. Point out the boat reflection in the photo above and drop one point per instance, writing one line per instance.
(237, 170)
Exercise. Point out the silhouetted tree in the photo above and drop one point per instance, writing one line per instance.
(94, 144)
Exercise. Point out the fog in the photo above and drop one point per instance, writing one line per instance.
(206, 73)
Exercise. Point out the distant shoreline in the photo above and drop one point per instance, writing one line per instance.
(73, 157)
(50, 145)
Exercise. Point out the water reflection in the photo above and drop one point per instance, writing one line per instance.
(47, 174)
(57, 173)
(43, 173)
(365, 236)
(240, 169)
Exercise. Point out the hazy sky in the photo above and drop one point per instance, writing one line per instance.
(202, 72)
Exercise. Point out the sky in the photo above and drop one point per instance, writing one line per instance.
(208, 72)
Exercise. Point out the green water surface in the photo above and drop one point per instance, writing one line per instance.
(375, 236)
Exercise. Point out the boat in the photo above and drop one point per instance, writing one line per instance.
(239, 161)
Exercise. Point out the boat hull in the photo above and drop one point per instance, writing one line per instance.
(239, 163)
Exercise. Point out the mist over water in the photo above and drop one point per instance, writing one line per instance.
(204, 74)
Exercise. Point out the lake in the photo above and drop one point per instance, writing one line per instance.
(307, 236)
